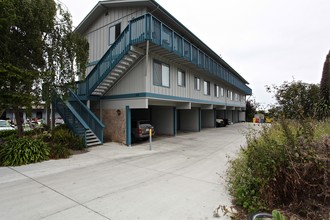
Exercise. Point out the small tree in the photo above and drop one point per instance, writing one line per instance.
(296, 100)
(38, 46)
(251, 109)
(323, 109)
(23, 25)
(66, 54)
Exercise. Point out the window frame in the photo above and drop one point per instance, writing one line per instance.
(117, 32)
(197, 83)
(183, 78)
(216, 90)
(206, 88)
(162, 83)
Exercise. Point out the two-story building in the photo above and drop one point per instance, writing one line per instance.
(145, 64)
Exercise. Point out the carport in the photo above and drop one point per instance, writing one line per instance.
(220, 112)
(229, 113)
(163, 119)
(189, 119)
(208, 118)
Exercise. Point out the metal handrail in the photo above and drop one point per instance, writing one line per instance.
(89, 117)
(148, 27)
(77, 125)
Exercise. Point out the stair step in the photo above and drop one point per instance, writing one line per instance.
(93, 144)
(120, 68)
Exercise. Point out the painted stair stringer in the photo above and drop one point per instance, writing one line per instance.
(116, 73)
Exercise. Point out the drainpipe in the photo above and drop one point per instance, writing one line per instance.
(147, 58)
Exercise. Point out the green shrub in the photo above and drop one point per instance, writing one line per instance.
(322, 128)
(33, 132)
(46, 136)
(277, 215)
(58, 151)
(281, 166)
(255, 166)
(20, 151)
(63, 136)
(7, 133)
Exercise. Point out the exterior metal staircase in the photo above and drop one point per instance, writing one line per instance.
(80, 120)
(91, 139)
(122, 67)
(117, 61)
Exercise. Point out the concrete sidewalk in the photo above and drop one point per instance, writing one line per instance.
(180, 178)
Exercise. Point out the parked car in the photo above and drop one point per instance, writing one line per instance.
(5, 125)
(141, 129)
(222, 122)
(59, 121)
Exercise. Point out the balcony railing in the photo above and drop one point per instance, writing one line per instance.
(148, 27)
(164, 36)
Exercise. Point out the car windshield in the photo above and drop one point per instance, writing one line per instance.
(3, 124)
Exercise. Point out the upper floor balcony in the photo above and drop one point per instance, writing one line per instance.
(165, 41)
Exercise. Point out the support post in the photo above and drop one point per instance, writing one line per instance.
(128, 127)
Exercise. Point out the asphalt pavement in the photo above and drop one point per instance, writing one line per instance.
(180, 178)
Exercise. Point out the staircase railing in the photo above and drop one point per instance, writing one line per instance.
(132, 34)
(71, 118)
(91, 121)
(148, 27)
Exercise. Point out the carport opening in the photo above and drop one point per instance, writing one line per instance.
(162, 118)
(140, 124)
(188, 119)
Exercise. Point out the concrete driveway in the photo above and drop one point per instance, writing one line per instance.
(180, 178)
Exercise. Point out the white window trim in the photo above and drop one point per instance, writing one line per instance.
(197, 83)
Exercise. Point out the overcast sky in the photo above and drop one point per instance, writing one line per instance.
(266, 41)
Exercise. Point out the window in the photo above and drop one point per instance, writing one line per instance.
(228, 93)
(222, 91)
(197, 83)
(161, 74)
(206, 88)
(216, 90)
(114, 32)
(181, 78)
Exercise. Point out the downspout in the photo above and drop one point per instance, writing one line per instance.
(147, 58)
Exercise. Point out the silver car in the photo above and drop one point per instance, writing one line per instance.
(141, 130)
(4, 125)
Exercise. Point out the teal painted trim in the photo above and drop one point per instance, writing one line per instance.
(175, 126)
(91, 98)
(161, 96)
(128, 126)
(215, 117)
(93, 63)
(199, 119)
